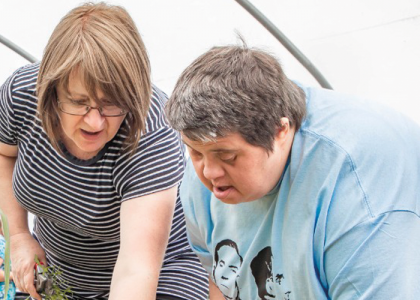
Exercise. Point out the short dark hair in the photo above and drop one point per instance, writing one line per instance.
(233, 89)
(229, 243)
(261, 269)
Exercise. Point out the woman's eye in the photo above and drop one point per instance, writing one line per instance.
(227, 157)
(108, 104)
(195, 154)
(78, 102)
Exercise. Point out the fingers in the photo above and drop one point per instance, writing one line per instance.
(30, 289)
(18, 282)
(24, 279)
(24, 249)
(26, 284)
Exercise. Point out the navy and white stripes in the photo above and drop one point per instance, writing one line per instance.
(77, 203)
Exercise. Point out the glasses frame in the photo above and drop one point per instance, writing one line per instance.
(89, 108)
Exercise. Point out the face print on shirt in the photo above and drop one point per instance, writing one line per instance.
(262, 270)
(226, 268)
(228, 264)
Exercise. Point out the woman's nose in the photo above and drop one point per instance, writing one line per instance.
(94, 119)
(212, 170)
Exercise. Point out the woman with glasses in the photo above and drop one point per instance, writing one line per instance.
(85, 147)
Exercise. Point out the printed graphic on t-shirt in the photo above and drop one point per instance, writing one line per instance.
(262, 270)
(228, 263)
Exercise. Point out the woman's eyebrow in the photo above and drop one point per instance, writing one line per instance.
(219, 150)
(224, 150)
(75, 94)
(186, 143)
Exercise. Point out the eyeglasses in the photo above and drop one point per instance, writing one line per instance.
(76, 109)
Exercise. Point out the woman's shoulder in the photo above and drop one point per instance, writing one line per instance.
(156, 119)
(24, 78)
(18, 102)
(20, 88)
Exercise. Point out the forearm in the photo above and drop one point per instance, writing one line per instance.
(16, 215)
(215, 293)
(145, 227)
(129, 283)
(136, 276)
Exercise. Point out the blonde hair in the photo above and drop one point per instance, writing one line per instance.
(102, 43)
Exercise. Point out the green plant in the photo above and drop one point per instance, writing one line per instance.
(51, 272)
(51, 288)
(5, 228)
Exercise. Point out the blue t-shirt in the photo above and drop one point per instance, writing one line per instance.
(342, 223)
(12, 289)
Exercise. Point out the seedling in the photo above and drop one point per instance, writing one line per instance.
(47, 282)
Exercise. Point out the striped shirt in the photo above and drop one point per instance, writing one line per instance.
(77, 202)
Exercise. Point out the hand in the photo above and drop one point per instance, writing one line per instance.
(23, 250)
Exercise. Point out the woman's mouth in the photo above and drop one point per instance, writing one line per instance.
(221, 192)
(90, 135)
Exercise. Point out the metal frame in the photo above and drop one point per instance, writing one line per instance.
(257, 15)
(17, 49)
(285, 42)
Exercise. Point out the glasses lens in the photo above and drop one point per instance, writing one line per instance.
(112, 111)
(73, 108)
(82, 109)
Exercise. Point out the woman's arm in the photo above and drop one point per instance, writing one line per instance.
(23, 245)
(215, 293)
(15, 213)
(145, 227)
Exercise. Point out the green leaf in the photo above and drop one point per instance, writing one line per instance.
(54, 273)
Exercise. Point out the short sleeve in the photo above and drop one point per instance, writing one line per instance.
(7, 121)
(18, 102)
(158, 163)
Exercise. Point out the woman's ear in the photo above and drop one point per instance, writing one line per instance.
(284, 130)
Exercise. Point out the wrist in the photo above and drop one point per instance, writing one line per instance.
(19, 235)
(17, 232)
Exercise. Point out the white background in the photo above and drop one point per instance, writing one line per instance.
(370, 48)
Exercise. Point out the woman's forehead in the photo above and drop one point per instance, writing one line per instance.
(77, 85)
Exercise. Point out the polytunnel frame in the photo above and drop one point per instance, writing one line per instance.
(251, 9)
